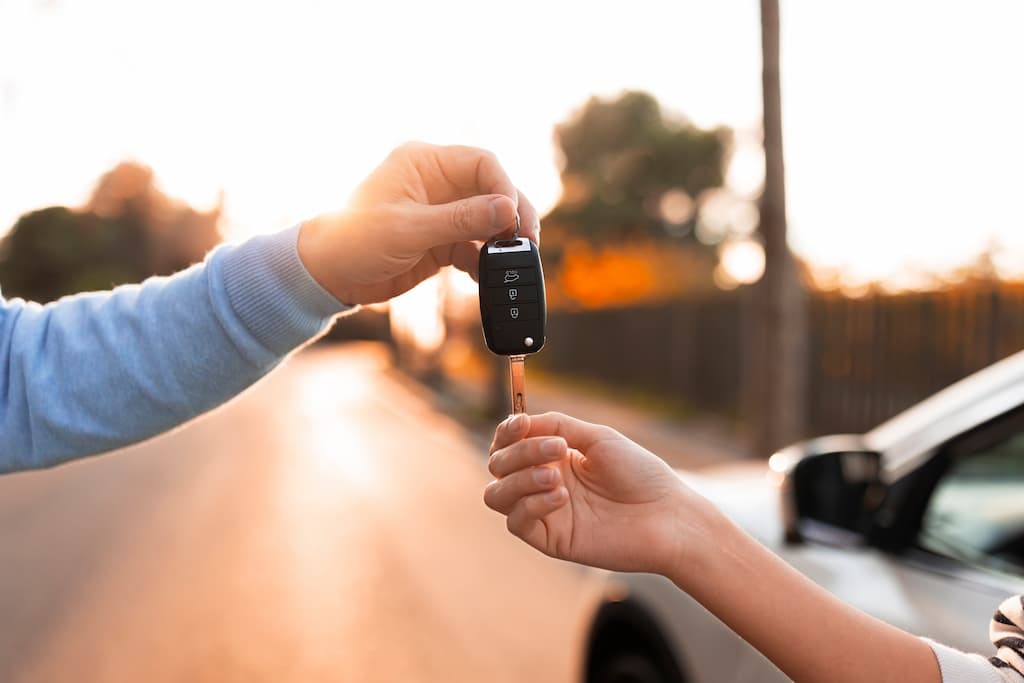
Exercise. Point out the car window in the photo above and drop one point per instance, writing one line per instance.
(977, 511)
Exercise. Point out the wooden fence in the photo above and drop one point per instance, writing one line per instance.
(868, 358)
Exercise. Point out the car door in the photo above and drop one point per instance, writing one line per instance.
(950, 541)
(969, 532)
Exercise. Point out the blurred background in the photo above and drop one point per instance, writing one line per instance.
(704, 297)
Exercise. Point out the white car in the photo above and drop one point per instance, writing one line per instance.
(919, 522)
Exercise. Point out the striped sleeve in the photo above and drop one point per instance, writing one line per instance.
(961, 667)
(1007, 666)
(1007, 634)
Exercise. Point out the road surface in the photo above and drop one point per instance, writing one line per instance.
(326, 526)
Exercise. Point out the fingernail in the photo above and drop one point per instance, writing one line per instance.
(515, 423)
(543, 475)
(555, 495)
(494, 207)
(552, 448)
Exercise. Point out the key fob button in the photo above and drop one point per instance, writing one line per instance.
(507, 296)
(517, 312)
(511, 276)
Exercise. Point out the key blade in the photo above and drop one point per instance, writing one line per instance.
(517, 381)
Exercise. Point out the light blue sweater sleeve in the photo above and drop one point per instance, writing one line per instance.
(97, 371)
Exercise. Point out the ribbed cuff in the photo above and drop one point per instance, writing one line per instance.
(961, 667)
(274, 295)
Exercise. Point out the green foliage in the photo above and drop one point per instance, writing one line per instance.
(128, 232)
(621, 156)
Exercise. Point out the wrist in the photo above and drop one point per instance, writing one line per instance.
(700, 530)
(272, 293)
(314, 251)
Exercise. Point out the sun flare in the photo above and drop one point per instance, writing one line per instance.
(284, 107)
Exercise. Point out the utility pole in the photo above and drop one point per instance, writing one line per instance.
(777, 404)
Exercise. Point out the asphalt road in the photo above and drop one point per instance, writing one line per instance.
(325, 526)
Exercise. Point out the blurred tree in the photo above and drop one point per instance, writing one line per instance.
(776, 403)
(127, 231)
(629, 170)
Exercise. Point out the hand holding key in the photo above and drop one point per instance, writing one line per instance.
(423, 208)
(583, 492)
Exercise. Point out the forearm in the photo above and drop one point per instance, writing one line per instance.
(94, 372)
(807, 632)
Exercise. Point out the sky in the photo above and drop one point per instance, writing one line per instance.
(902, 121)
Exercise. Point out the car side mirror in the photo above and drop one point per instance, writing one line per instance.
(831, 496)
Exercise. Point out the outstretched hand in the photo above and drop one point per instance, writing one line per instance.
(425, 207)
(585, 493)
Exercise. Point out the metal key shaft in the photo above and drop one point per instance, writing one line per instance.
(517, 381)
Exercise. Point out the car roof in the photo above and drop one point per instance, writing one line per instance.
(909, 438)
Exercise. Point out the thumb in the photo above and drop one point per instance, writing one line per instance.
(473, 218)
(577, 433)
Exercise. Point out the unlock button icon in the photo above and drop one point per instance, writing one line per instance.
(514, 312)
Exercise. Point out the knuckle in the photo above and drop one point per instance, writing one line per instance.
(538, 452)
(513, 525)
(482, 157)
(489, 496)
(407, 148)
(467, 150)
(532, 505)
(462, 217)
(607, 432)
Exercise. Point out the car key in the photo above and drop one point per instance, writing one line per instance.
(513, 310)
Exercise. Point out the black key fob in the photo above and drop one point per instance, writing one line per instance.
(512, 305)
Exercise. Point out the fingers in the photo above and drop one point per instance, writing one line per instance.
(476, 171)
(512, 429)
(473, 218)
(502, 495)
(452, 172)
(526, 453)
(529, 219)
(466, 257)
(525, 518)
(468, 184)
(577, 433)
(463, 172)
